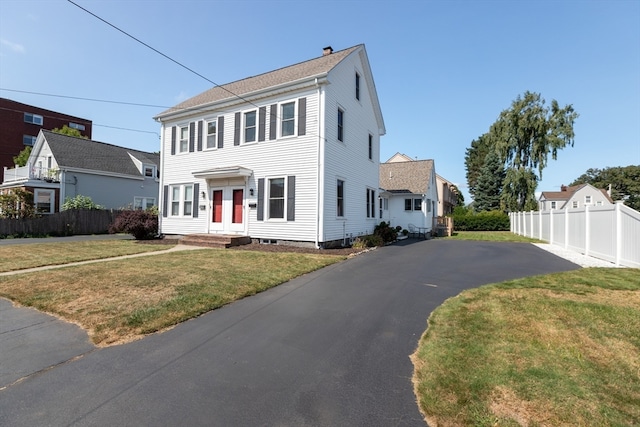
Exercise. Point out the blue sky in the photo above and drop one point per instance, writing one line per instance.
(444, 70)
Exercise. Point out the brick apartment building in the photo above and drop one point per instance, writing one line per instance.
(20, 124)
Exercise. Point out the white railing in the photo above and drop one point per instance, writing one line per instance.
(24, 173)
(611, 232)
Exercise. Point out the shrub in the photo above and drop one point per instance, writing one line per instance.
(482, 221)
(387, 233)
(80, 202)
(142, 225)
(368, 241)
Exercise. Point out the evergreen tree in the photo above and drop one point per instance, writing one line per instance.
(490, 181)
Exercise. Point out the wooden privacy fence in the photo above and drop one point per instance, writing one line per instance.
(65, 223)
(611, 233)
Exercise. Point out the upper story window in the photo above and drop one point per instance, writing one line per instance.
(149, 171)
(587, 200)
(340, 198)
(184, 139)
(33, 118)
(340, 125)
(370, 147)
(553, 205)
(28, 140)
(76, 126)
(575, 204)
(250, 126)
(212, 131)
(288, 119)
(357, 86)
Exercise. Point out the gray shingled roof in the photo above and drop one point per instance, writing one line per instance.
(313, 67)
(569, 192)
(412, 176)
(72, 152)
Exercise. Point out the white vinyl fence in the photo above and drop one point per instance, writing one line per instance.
(611, 233)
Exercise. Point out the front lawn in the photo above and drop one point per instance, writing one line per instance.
(492, 236)
(554, 350)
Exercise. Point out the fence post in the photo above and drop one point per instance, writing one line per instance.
(587, 233)
(551, 227)
(531, 225)
(566, 228)
(618, 222)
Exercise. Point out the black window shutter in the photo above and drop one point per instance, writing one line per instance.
(196, 200)
(260, 199)
(192, 136)
(262, 120)
(273, 121)
(165, 200)
(291, 198)
(173, 140)
(220, 131)
(200, 126)
(236, 130)
(302, 116)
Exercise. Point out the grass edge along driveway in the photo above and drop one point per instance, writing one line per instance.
(122, 300)
(559, 349)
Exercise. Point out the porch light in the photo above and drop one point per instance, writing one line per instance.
(204, 195)
(251, 191)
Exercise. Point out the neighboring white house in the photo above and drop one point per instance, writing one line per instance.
(575, 197)
(408, 192)
(291, 155)
(61, 167)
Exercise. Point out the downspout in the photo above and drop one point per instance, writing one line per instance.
(63, 189)
(319, 174)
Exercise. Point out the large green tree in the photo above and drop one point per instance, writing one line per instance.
(524, 135)
(624, 181)
(490, 181)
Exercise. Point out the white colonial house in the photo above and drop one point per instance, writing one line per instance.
(573, 197)
(409, 196)
(288, 156)
(62, 167)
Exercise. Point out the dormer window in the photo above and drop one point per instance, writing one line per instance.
(149, 171)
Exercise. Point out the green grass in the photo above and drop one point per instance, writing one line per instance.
(492, 236)
(560, 349)
(122, 300)
(19, 257)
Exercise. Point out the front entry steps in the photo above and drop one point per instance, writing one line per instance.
(214, 240)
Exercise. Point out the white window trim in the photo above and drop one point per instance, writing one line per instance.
(371, 206)
(268, 199)
(179, 139)
(280, 120)
(243, 129)
(144, 201)
(52, 202)
(181, 200)
(575, 204)
(154, 170)
(587, 199)
(552, 205)
(206, 134)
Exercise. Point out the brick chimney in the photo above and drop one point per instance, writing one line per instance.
(327, 51)
(563, 187)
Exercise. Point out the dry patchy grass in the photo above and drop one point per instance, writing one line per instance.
(122, 300)
(554, 350)
(19, 257)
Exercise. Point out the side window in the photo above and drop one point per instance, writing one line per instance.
(276, 198)
(250, 126)
(212, 132)
(370, 147)
(184, 139)
(357, 86)
(340, 198)
(288, 120)
(417, 204)
(340, 125)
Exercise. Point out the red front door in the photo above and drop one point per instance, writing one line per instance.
(217, 206)
(237, 207)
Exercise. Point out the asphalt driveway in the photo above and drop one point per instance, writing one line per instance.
(329, 348)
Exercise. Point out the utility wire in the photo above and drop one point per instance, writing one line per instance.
(160, 53)
(85, 99)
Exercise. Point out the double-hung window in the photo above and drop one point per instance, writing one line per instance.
(184, 139)
(276, 198)
(182, 200)
(44, 201)
(145, 203)
(417, 204)
(371, 203)
(35, 119)
(212, 131)
(250, 126)
(575, 204)
(340, 125)
(587, 200)
(340, 198)
(288, 119)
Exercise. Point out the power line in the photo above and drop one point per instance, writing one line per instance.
(85, 99)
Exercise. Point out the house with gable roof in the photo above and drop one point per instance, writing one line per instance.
(409, 196)
(290, 156)
(62, 166)
(573, 197)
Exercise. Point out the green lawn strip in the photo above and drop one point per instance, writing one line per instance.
(117, 301)
(492, 236)
(560, 349)
(30, 255)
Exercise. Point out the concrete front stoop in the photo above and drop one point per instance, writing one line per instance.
(214, 240)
